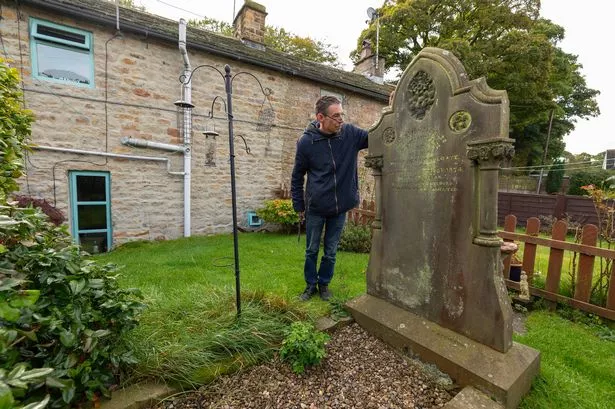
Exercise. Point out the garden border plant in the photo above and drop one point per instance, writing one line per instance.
(62, 318)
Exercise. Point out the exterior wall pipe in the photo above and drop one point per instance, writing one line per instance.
(109, 155)
(187, 128)
(143, 143)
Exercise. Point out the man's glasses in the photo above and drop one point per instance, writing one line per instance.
(337, 117)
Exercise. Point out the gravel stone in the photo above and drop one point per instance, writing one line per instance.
(360, 371)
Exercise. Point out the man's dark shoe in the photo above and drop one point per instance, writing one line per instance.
(309, 291)
(325, 294)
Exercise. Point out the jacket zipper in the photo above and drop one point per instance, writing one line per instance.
(337, 209)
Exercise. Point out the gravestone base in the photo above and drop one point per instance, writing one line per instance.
(506, 377)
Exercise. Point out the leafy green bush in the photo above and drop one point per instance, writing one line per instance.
(304, 346)
(14, 129)
(60, 311)
(581, 178)
(356, 238)
(279, 211)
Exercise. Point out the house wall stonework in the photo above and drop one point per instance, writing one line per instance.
(136, 83)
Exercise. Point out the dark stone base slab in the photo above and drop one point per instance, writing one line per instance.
(506, 377)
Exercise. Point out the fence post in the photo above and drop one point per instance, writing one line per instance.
(582, 290)
(529, 251)
(556, 259)
(610, 299)
(560, 206)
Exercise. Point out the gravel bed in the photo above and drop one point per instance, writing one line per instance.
(360, 371)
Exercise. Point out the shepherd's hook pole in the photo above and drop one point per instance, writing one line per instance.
(229, 105)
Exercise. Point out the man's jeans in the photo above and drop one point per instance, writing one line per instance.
(333, 226)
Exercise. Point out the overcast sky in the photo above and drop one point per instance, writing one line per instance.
(340, 22)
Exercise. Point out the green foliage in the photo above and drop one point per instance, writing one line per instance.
(305, 48)
(555, 177)
(213, 25)
(277, 38)
(356, 238)
(14, 129)
(304, 346)
(129, 4)
(508, 43)
(60, 311)
(582, 178)
(279, 211)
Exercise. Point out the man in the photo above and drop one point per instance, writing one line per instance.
(327, 152)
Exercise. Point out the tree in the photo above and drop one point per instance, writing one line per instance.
(129, 4)
(508, 43)
(281, 40)
(555, 177)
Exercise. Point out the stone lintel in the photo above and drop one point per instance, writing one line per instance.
(506, 377)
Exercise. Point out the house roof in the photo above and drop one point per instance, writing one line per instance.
(150, 25)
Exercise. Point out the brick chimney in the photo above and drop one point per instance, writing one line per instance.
(367, 65)
(249, 24)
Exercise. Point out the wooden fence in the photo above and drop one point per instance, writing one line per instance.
(587, 252)
(524, 205)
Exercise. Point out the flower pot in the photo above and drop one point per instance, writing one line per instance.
(515, 272)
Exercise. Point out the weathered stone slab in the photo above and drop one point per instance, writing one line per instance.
(435, 155)
(471, 398)
(504, 376)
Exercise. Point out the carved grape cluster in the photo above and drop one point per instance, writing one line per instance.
(422, 94)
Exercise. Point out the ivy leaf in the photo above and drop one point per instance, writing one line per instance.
(67, 338)
(76, 286)
(25, 298)
(6, 397)
(8, 313)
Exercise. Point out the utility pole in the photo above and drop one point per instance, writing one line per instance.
(544, 156)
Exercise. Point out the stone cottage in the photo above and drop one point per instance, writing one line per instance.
(114, 153)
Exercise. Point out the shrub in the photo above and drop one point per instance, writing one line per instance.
(14, 129)
(583, 178)
(356, 238)
(304, 346)
(59, 311)
(279, 211)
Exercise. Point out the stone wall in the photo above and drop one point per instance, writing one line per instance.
(141, 79)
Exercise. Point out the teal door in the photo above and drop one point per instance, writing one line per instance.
(91, 210)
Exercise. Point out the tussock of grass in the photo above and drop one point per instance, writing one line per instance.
(195, 335)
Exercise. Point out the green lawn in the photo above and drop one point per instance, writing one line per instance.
(189, 333)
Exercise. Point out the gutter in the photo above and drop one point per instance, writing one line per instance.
(70, 9)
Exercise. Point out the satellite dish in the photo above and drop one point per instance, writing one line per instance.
(372, 13)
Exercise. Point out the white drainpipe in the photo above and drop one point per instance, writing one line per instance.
(144, 143)
(187, 88)
(108, 155)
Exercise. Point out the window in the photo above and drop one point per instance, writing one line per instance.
(91, 210)
(61, 54)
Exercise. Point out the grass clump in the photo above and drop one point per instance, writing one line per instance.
(193, 337)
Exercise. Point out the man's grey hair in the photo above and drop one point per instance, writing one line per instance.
(324, 102)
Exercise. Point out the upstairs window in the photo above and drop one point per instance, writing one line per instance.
(61, 54)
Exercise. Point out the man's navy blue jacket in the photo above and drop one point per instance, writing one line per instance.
(330, 162)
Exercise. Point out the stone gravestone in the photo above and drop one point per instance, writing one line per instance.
(434, 282)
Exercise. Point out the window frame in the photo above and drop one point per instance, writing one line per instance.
(75, 203)
(50, 41)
